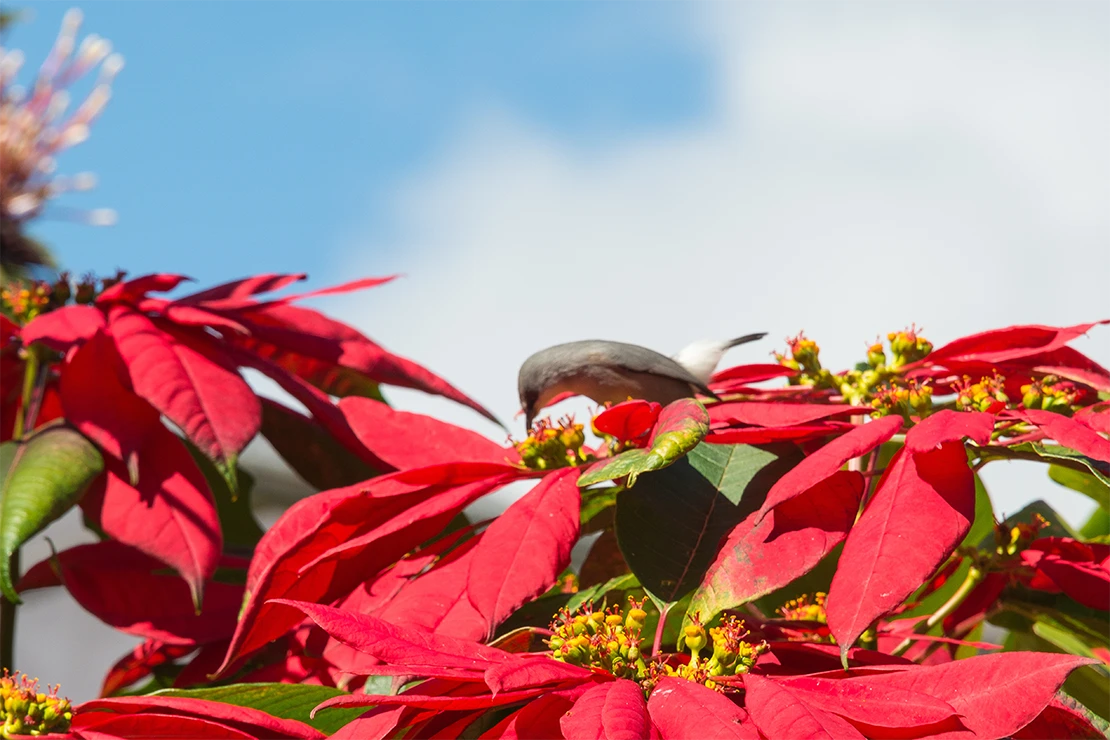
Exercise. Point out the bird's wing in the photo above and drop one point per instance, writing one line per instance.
(639, 359)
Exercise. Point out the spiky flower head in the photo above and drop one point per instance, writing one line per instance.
(24, 710)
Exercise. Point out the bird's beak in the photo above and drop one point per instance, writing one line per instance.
(529, 417)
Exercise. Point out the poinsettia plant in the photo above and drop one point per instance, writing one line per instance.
(807, 553)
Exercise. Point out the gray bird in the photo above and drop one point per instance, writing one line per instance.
(611, 372)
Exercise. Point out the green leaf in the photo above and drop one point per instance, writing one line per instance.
(44, 477)
(670, 526)
(597, 508)
(1098, 525)
(283, 700)
(1086, 483)
(1062, 456)
(597, 593)
(679, 429)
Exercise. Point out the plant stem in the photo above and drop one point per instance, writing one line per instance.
(974, 577)
(23, 422)
(658, 644)
(7, 624)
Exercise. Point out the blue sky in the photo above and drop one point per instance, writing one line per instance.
(240, 135)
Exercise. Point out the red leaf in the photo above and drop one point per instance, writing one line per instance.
(97, 402)
(827, 460)
(780, 712)
(1070, 433)
(299, 557)
(741, 374)
(61, 328)
(170, 516)
(1096, 417)
(629, 420)
(533, 672)
(995, 695)
(131, 291)
(437, 600)
(255, 721)
(764, 414)
(1011, 343)
(301, 331)
(524, 550)
(348, 287)
(1081, 570)
(377, 724)
(756, 559)
(538, 720)
(765, 435)
(871, 706)
(792, 658)
(609, 711)
(405, 440)
(134, 593)
(242, 288)
(920, 513)
(1059, 721)
(947, 425)
(196, 390)
(140, 663)
(687, 711)
(149, 725)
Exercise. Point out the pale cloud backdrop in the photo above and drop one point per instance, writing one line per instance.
(865, 166)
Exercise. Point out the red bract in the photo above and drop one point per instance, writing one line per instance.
(142, 717)
(1079, 569)
(137, 594)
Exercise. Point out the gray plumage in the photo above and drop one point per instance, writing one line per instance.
(611, 372)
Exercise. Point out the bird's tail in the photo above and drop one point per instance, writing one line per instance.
(744, 339)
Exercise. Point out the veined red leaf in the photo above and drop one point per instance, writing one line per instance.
(347, 287)
(533, 672)
(140, 663)
(97, 402)
(688, 711)
(190, 316)
(309, 527)
(406, 440)
(1096, 417)
(1079, 569)
(609, 711)
(170, 515)
(192, 385)
(134, 593)
(524, 550)
(321, 551)
(793, 658)
(758, 558)
(537, 720)
(995, 695)
(279, 329)
(437, 600)
(742, 374)
(629, 420)
(922, 510)
(61, 328)
(442, 703)
(869, 705)
(1064, 721)
(149, 725)
(765, 414)
(766, 435)
(1069, 433)
(1011, 343)
(779, 712)
(376, 724)
(827, 460)
(947, 425)
(246, 719)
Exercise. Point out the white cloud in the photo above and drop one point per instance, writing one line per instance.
(867, 166)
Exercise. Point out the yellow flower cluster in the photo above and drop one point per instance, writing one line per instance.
(28, 711)
(552, 446)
